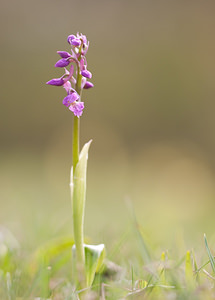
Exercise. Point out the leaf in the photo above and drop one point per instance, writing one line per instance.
(94, 257)
(81, 169)
(78, 196)
(212, 261)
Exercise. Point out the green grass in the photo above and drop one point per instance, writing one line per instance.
(156, 252)
(46, 272)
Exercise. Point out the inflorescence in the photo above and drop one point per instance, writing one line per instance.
(74, 81)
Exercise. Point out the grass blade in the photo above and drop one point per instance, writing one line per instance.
(211, 258)
(189, 274)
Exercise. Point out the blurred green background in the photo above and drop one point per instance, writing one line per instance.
(150, 115)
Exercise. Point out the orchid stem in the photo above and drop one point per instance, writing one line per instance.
(78, 213)
(75, 144)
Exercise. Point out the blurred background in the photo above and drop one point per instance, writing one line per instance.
(150, 115)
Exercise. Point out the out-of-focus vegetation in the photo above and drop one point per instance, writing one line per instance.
(150, 115)
(47, 273)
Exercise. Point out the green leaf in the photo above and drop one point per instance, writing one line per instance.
(80, 172)
(78, 195)
(94, 257)
(212, 261)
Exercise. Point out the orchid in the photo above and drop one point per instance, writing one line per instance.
(89, 258)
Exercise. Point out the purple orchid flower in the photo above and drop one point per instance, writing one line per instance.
(69, 99)
(77, 108)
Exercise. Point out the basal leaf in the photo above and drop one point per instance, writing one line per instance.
(94, 257)
(78, 191)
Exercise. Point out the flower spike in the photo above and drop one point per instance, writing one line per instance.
(72, 82)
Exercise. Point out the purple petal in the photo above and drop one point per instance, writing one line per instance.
(83, 82)
(68, 100)
(84, 38)
(64, 54)
(86, 74)
(73, 80)
(85, 49)
(70, 38)
(56, 82)
(71, 72)
(77, 108)
(76, 42)
(74, 96)
(62, 63)
(85, 44)
(67, 86)
(88, 85)
(82, 64)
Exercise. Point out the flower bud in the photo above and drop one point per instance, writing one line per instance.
(62, 63)
(86, 74)
(70, 38)
(88, 85)
(64, 54)
(76, 42)
(56, 82)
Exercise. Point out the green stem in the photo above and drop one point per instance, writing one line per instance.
(76, 125)
(78, 213)
(75, 142)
